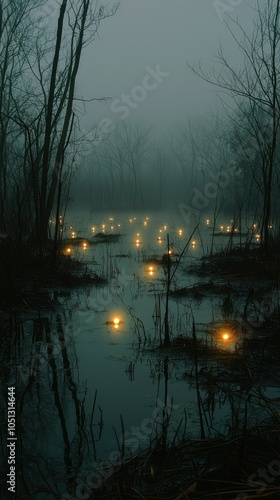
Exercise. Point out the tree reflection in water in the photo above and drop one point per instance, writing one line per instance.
(51, 444)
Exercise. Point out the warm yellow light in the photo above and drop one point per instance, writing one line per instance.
(137, 241)
(145, 223)
(103, 226)
(151, 268)
(73, 234)
(207, 222)
(112, 227)
(84, 245)
(68, 250)
(116, 321)
(130, 220)
(222, 227)
(111, 218)
(193, 242)
(151, 273)
(93, 229)
(165, 227)
(228, 229)
(137, 244)
(255, 226)
(119, 225)
(170, 252)
(225, 336)
(180, 232)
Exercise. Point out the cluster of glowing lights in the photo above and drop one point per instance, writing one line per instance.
(180, 232)
(207, 222)
(193, 243)
(258, 237)
(85, 245)
(228, 229)
(159, 239)
(93, 229)
(73, 234)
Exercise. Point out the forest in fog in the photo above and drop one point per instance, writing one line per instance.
(229, 160)
(139, 249)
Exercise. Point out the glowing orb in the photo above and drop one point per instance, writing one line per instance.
(225, 336)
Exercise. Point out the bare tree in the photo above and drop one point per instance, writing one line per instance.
(16, 16)
(257, 84)
(160, 168)
(129, 148)
(46, 123)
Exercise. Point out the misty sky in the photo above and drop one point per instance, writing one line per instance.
(150, 33)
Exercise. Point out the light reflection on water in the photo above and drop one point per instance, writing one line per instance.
(99, 344)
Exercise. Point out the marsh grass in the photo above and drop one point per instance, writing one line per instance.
(198, 469)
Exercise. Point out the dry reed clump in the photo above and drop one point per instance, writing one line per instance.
(216, 469)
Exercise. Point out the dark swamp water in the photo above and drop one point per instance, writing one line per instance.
(95, 354)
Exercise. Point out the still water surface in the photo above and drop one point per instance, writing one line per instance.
(102, 342)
